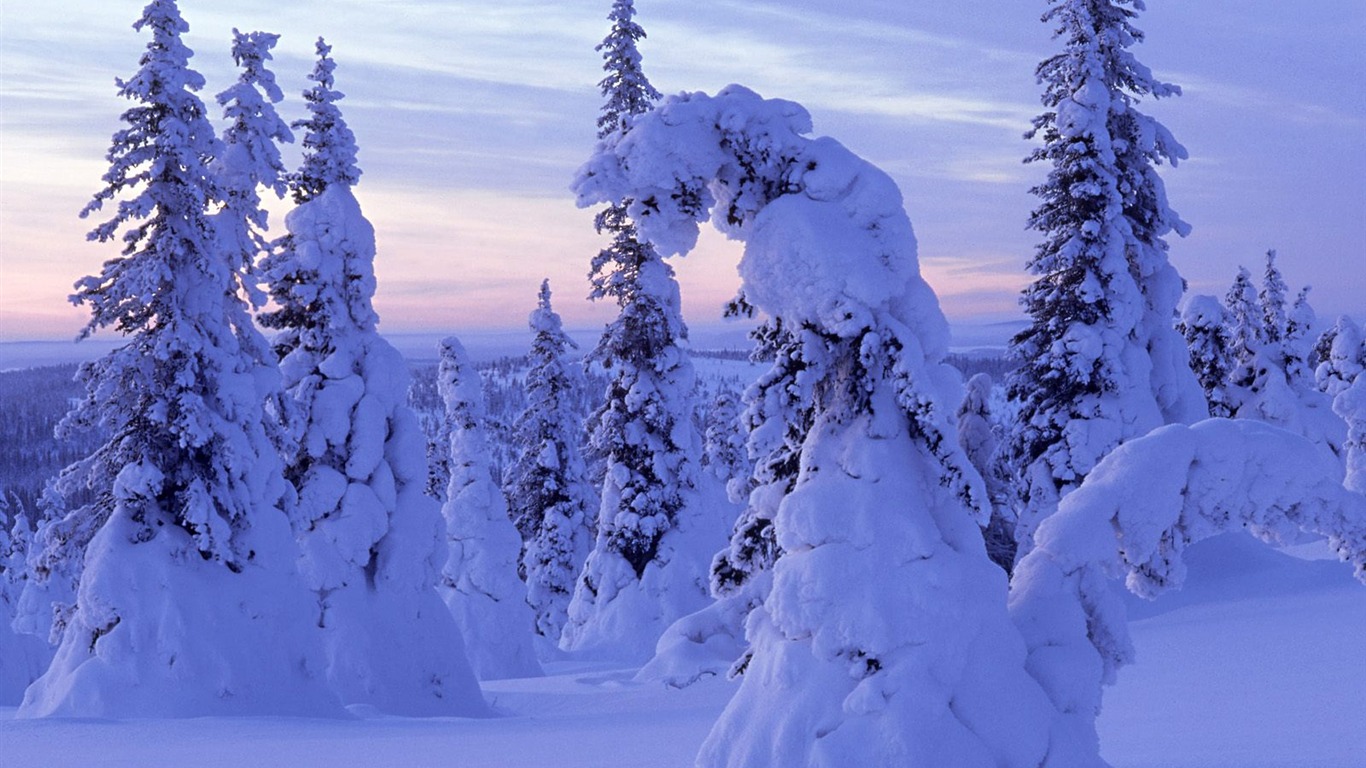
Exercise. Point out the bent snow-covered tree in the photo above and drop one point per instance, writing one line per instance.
(1100, 362)
(645, 570)
(1135, 516)
(370, 537)
(546, 485)
(480, 576)
(189, 602)
(857, 659)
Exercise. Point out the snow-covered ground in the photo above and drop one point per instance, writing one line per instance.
(1256, 663)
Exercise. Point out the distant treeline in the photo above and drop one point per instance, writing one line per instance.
(33, 401)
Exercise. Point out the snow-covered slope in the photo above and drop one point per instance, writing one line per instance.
(1231, 673)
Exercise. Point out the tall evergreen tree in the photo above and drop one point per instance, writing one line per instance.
(1100, 362)
(371, 538)
(188, 603)
(1247, 335)
(547, 484)
(1272, 300)
(480, 576)
(644, 426)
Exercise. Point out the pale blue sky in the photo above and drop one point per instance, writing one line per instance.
(471, 118)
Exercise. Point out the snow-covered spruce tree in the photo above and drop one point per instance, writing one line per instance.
(251, 156)
(371, 540)
(23, 657)
(1204, 324)
(189, 602)
(56, 553)
(979, 436)
(1268, 379)
(640, 575)
(1246, 338)
(251, 159)
(1271, 297)
(1344, 357)
(547, 484)
(1286, 327)
(480, 579)
(723, 444)
(1299, 345)
(1100, 361)
(884, 639)
(1350, 404)
(778, 415)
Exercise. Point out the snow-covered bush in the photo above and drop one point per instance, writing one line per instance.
(884, 639)
(482, 590)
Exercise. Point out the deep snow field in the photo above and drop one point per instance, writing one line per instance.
(1257, 663)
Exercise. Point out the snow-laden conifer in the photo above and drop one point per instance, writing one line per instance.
(371, 539)
(884, 639)
(723, 443)
(481, 587)
(777, 416)
(329, 145)
(547, 484)
(251, 154)
(1350, 404)
(1268, 376)
(188, 602)
(1204, 324)
(1344, 358)
(1298, 346)
(979, 436)
(639, 576)
(1246, 336)
(1100, 361)
(23, 656)
(1272, 299)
